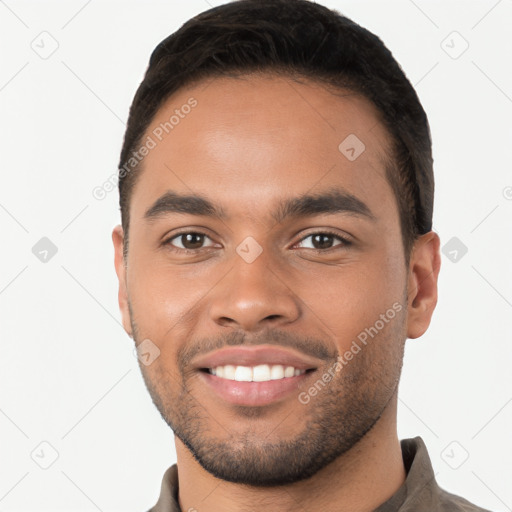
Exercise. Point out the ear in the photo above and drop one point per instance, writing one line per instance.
(120, 264)
(424, 266)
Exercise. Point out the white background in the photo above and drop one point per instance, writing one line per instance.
(68, 375)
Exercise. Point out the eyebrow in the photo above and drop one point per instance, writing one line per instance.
(331, 201)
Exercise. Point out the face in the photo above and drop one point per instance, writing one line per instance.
(285, 259)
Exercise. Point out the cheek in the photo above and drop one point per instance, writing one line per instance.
(166, 301)
(347, 301)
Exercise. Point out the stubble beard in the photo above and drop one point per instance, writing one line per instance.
(335, 420)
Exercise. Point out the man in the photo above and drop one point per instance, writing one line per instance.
(276, 251)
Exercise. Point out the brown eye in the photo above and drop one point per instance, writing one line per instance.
(192, 240)
(188, 241)
(324, 241)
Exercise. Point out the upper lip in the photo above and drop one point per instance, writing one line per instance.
(255, 355)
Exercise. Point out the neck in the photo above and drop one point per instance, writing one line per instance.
(361, 479)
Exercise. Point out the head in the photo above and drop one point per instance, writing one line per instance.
(276, 189)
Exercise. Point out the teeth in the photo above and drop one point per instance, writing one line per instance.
(243, 374)
(289, 371)
(259, 373)
(229, 372)
(276, 372)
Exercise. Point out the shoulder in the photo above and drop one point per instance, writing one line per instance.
(449, 502)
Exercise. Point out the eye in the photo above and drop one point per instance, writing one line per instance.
(323, 240)
(187, 241)
(193, 241)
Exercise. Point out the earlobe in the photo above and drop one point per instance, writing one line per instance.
(424, 267)
(120, 266)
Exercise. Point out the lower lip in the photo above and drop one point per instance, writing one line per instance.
(253, 393)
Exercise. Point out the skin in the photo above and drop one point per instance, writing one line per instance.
(248, 143)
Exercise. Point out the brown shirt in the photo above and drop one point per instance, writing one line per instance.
(419, 492)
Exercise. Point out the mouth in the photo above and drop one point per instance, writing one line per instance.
(254, 386)
(254, 375)
(258, 373)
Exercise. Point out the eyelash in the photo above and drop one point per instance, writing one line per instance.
(166, 242)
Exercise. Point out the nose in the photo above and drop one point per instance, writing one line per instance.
(254, 296)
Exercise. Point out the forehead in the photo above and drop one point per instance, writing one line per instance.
(250, 140)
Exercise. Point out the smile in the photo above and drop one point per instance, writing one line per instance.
(258, 373)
